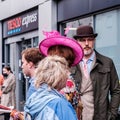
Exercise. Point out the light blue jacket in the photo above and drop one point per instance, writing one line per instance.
(47, 104)
(31, 88)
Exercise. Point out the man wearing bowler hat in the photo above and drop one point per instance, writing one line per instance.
(96, 79)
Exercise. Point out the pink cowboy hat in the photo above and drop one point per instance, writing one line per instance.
(54, 38)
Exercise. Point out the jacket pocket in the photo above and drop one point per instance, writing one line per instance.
(104, 70)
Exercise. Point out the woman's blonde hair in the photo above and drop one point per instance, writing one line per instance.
(52, 70)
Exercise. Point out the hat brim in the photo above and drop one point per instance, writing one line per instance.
(80, 36)
(47, 43)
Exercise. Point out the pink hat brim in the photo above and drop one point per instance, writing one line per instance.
(48, 42)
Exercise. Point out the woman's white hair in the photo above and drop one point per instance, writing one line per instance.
(52, 70)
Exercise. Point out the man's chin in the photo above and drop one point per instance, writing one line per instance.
(87, 53)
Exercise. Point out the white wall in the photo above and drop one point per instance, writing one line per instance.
(12, 7)
(47, 17)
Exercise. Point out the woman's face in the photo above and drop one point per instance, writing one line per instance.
(5, 72)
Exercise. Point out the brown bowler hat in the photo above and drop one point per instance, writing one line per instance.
(85, 31)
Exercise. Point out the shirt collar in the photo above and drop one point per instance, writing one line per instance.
(91, 57)
(31, 80)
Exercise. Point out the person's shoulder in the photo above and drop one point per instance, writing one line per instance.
(60, 102)
(11, 74)
(12, 77)
(103, 58)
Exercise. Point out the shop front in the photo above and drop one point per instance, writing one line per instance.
(103, 16)
(19, 32)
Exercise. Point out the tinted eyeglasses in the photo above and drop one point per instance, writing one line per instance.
(84, 39)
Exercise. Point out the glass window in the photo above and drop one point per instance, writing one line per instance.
(35, 42)
(71, 26)
(107, 26)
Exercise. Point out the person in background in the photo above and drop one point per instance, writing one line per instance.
(8, 97)
(1, 83)
(97, 79)
(55, 44)
(47, 103)
(30, 59)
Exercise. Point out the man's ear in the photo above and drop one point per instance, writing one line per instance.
(30, 64)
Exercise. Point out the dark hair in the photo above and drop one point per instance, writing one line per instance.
(63, 51)
(8, 68)
(32, 55)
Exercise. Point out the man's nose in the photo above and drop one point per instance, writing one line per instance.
(86, 41)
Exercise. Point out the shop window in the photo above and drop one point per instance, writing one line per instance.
(35, 42)
(26, 44)
(74, 24)
(107, 26)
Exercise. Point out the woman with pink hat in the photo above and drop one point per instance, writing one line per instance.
(55, 44)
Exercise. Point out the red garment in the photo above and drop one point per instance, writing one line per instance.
(1, 79)
(1, 83)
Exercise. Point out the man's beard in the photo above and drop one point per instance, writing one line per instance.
(88, 52)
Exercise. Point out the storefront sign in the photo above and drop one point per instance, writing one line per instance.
(20, 24)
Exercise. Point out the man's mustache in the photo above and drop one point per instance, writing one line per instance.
(87, 47)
